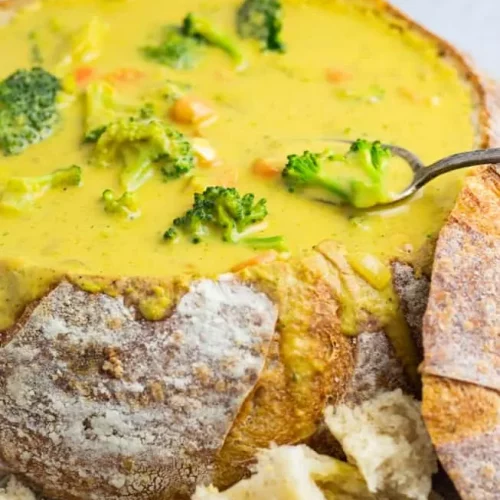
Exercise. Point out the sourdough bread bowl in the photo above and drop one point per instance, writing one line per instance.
(115, 386)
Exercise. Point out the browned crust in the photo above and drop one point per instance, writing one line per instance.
(462, 341)
(461, 401)
(462, 324)
(464, 425)
(310, 362)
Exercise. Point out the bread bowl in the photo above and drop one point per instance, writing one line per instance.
(298, 358)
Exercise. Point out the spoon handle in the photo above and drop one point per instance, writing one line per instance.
(454, 162)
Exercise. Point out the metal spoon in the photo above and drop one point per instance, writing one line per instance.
(423, 174)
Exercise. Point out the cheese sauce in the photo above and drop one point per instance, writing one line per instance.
(347, 72)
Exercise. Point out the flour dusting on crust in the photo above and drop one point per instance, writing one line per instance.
(97, 404)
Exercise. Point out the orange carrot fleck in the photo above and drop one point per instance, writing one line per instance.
(84, 74)
(335, 75)
(262, 258)
(191, 110)
(125, 75)
(267, 167)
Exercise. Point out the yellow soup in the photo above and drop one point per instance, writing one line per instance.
(346, 73)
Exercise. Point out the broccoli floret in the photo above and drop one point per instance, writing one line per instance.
(28, 111)
(373, 158)
(180, 158)
(125, 205)
(21, 192)
(203, 30)
(263, 21)
(224, 211)
(140, 145)
(175, 49)
(103, 105)
(180, 47)
(369, 158)
(306, 170)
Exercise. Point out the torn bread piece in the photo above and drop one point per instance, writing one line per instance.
(294, 473)
(15, 490)
(386, 439)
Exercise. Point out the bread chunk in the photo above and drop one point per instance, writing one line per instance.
(386, 438)
(73, 427)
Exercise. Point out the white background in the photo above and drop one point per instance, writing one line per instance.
(473, 26)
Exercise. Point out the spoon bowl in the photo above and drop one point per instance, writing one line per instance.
(423, 174)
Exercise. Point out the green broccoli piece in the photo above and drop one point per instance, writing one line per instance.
(267, 243)
(223, 210)
(125, 205)
(28, 109)
(103, 106)
(263, 21)
(175, 49)
(202, 29)
(306, 170)
(20, 193)
(373, 157)
(140, 145)
(370, 159)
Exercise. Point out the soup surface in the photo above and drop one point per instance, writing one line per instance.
(346, 73)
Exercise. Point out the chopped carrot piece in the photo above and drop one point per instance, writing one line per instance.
(267, 167)
(261, 258)
(84, 74)
(335, 75)
(191, 110)
(125, 75)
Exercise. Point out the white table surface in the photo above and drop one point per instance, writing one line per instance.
(471, 25)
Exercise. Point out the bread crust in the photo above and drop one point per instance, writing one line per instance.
(96, 399)
(121, 406)
(462, 341)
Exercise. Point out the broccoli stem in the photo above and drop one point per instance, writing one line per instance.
(197, 26)
(333, 187)
(21, 192)
(266, 243)
(138, 167)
